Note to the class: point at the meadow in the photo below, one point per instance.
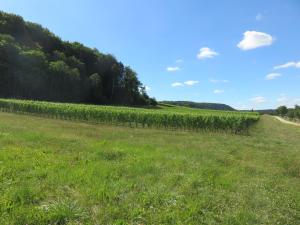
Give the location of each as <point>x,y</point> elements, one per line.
<point>68,172</point>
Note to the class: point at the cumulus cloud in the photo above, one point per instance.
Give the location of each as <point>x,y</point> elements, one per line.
<point>172,69</point>
<point>191,82</point>
<point>177,84</point>
<point>185,83</point>
<point>258,100</point>
<point>147,88</point>
<point>218,91</point>
<point>179,61</point>
<point>287,65</point>
<point>255,39</point>
<point>258,17</point>
<point>206,52</point>
<point>272,76</point>
<point>218,81</point>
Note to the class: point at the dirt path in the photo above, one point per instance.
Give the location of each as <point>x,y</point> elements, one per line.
<point>286,121</point>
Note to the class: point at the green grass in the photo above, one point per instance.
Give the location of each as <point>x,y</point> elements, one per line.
<point>62,172</point>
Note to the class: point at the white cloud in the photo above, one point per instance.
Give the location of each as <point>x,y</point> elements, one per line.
<point>177,84</point>
<point>282,99</point>
<point>258,100</point>
<point>191,82</point>
<point>255,39</point>
<point>240,106</point>
<point>287,101</point>
<point>218,81</point>
<point>147,88</point>
<point>179,61</point>
<point>272,76</point>
<point>185,83</point>
<point>258,17</point>
<point>172,69</point>
<point>217,91</point>
<point>287,65</point>
<point>206,53</point>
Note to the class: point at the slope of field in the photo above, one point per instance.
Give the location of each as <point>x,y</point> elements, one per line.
<point>200,105</point>
<point>176,108</point>
<point>63,172</point>
<point>176,118</point>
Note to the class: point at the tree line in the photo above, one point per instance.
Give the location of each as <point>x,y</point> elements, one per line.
<point>292,113</point>
<point>36,64</point>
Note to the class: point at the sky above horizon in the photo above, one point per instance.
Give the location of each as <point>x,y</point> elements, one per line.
<point>242,53</point>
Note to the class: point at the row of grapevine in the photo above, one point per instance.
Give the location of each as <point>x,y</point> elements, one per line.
<point>138,117</point>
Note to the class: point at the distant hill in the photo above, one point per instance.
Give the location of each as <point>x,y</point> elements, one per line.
<point>262,111</point>
<point>266,111</point>
<point>200,105</point>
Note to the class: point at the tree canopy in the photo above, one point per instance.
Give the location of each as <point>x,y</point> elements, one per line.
<point>292,113</point>
<point>36,64</point>
<point>282,110</point>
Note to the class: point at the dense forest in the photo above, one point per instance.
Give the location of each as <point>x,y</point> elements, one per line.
<point>200,105</point>
<point>36,64</point>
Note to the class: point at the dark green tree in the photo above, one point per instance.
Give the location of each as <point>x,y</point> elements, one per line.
<point>36,64</point>
<point>282,110</point>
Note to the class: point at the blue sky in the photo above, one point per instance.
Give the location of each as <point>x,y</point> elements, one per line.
<point>242,53</point>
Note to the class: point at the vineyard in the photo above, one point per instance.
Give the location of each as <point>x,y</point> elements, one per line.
<point>185,119</point>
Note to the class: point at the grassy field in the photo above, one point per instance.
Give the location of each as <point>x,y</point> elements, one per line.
<point>62,172</point>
